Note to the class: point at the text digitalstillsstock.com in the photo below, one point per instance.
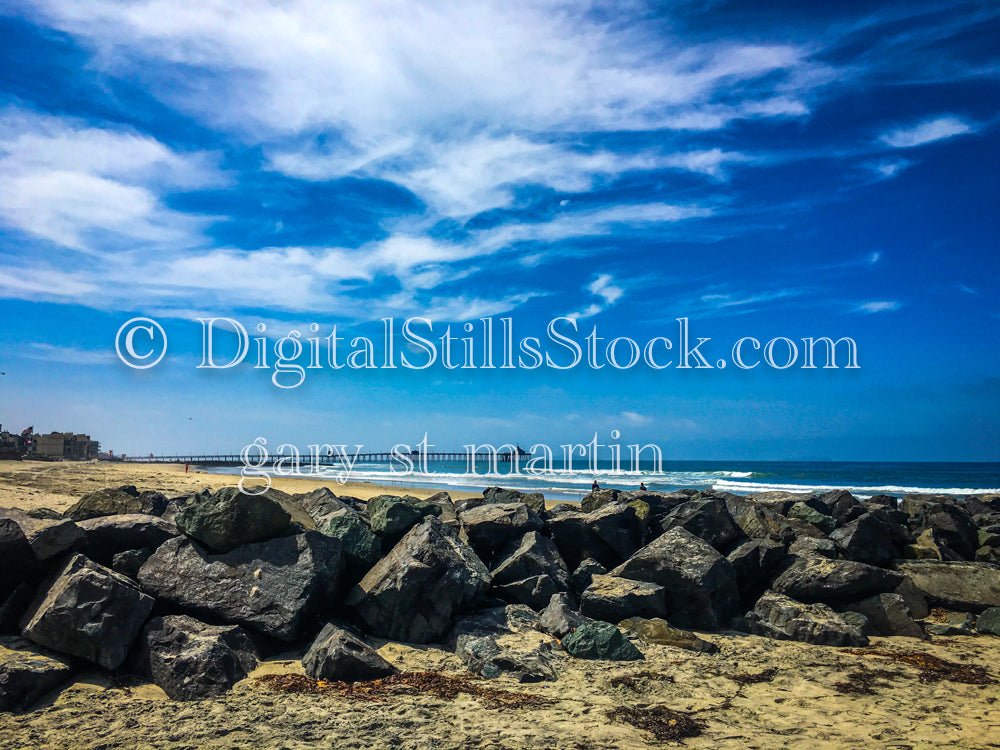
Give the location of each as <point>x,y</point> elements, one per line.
<point>486,344</point>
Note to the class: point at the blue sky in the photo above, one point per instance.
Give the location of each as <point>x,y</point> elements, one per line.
<point>812,169</point>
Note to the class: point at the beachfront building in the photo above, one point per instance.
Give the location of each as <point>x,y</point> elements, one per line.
<point>75,447</point>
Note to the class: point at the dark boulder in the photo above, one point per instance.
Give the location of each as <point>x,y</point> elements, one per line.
<point>759,521</point>
<point>494,621</point>
<point>130,561</point>
<point>804,546</point>
<point>412,594</point>
<point>889,615</point>
<point>19,562</point>
<point>489,528</point>
<point>534,591</point>
<point>951,526</point>
<point>489,658</point>
<point>600,640</point>
<point>755,563</point>
<point>600,498</point>
<point>47,538</point>
<point>534,500</point>
<point>842,505</point>
<point>531,555</point>
<point>14,607</point>
<point>28,672</point>
<point>777,616</point>
<point>106,502</point>
<point>967,586</point>
<point>584,574</point>
<point>361,547</point>
<point>448,515</point>
<point>272,587</point>
<point>609,535</point>
<point>338,656</point>
<point>191,660</point>
<point>700,583</point>
<point>988,621</point>
<point>818,579</point>
<point>613,599</point>
<point>109,535</point>
<point>707,518</point>
<point>866,539</point>
<point>88,611</point>
<point>231,518</point>
<point>153,503</point>
<point>805,512</point>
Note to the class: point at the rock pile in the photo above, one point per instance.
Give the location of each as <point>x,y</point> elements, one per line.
<point>189,591</point>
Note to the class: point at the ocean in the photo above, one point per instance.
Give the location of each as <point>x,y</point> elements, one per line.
<point>864,479</point>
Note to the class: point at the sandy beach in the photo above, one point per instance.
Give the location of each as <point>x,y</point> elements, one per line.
<point>753,693</point>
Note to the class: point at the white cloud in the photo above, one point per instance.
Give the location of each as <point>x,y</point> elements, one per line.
<point>69,355</point>
<point>634,418</point>
<point>928,131</point>
<point>877,306</point>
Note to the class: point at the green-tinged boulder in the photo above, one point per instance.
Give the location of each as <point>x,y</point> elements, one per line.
<point>362,549</point>
<point>106,502</point>
<point>821,521</point>
<point>989,621</point>
<point>600,640</point>
<point>391,515</point>
<point>231,518</point>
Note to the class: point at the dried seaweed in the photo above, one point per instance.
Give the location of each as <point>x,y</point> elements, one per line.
<point>865,681</point>
<point>432,683</point>
<point>933,668</point>
<point>666,724</point>
<point>749,678</point>
<point>631,681</point>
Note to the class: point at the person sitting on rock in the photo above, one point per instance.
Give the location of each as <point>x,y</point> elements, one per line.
<point>642,486</point>
<point>595,486</point>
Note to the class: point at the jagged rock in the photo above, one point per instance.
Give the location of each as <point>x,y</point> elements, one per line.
<point>271,586</point>
<point>952,527</point>
<point>989,621</point>
<point>889,615</point>
<point>534,500</point>
<point>609,535</point>
<point>535,592</point>
<point>600,640</point>
<point>47,538</point>
<point>14,607</point>
<point>191,660</point>
<point>887,501</point>
<point>822,521</point>
<point>957,585</point>
<point>391,516</point>
<point>559,618</point>
<point>412,593</point>
<point>490,659</point>
<point>109,535</point>
<point>754,563</point>
<point>915,601</point>
<point>323,502</point>
<point>758,521</point>
<point>512,618</point>
<point>28,672</point>
<point>859,622</point>
<point>818,579</point>
<point>615,599</point>
<point>659,631</point>
<point>106,502</point>
<point>130,561</point>
<point>842,505</point>
<point>339,656</point>
<point>584,574</point>
<point>361,548</point>
<point>531,555</point>
<point>231,518</point>
<point>808,545</point>
<point>88,611</point>
<point>19,562</point>
<point>700,583</point>
<point>448,515</point>
<point>778,616</point>
<point>600,498</point>
<point>152,503</point>
<point>489,528</point>
<point>866,539</point>
<point>707,517</point>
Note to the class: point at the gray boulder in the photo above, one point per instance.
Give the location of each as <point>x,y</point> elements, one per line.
<point>599,498</point>
<point>46,537</point>
<point>534,592</point>
<point>889,615</point>
<point>559,618</point>
<point>759,521</point>
<point>700,583</point>
<point>534,500</point>
<point>230,518</point>
<point>988,621</point>
<point>413,592</point>
<point>88,611</point>
<point>613,599</point>
<point>130,561</point>
<point>393,516</point>
<point>600,640</point>
<point>339,656</point>
<point>866,539</point>
<point>706,517</point>
<point>490,659</point>
<point>28,672</point>
<point>191,660</point>
<point>967,586</point>
<point>658,631</point>
<point>109,535</point>
<point>495,621</point>
<point>271,586</point>
<point>818,579</point>
<point>804,546</point>
<point>777,616</point>
<point>755,563</point>
<point>842,505</point>
<point>448,515</point>
<point>608,535</point>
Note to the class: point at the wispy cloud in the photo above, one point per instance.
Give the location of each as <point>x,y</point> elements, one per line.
<point>928,131</point>
<point>607,292</point>
<point>877,306</point>
<point>68,355</point>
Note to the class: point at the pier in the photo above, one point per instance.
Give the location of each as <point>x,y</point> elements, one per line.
<point>380,457</point>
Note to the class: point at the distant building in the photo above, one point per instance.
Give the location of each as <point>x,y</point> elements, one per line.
<point>67,445</point>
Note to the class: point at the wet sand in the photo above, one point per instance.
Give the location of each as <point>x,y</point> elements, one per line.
<point>800,707</point>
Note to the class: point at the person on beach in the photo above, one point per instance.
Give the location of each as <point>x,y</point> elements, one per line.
<point>595,486</point>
